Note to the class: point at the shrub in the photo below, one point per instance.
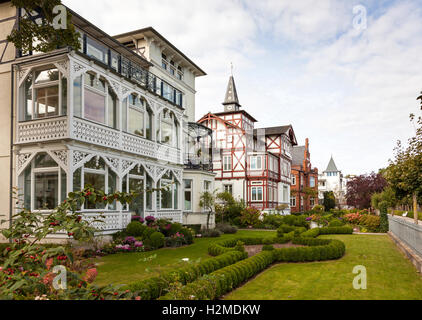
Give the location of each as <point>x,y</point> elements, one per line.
<point>336,223</point>
<point>211,233</point>
<point>283,229</point>
<point>372,223</point>
<point>295,221</point>
<point>157,240</point>
<point>153,288</point>
<point>226,228</point>
<point>194,227</point>
<point>147,233</point>
<point>175,228</point>
<point>336,230</point>
<point>313,233</point>
<point>268,247</point>
<point>188,235</point>
<point>250,216</point>
<point>135,229</point>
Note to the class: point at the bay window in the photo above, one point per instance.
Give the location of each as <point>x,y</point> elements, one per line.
<point>44,95</point>
<point>44,184</point>
<point>137,117</point>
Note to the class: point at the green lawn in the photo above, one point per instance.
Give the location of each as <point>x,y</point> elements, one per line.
<point>390,276</point>
<point>126,268</point>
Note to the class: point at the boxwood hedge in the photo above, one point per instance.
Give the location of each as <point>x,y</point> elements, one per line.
<point>153,288</point>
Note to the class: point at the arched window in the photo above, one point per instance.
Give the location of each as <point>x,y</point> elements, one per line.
<point>168,196</point>
<point>97,174</point>
<point>99,101</point>
<point>137,116</point>
<point>169,133</point>
<point>138,181</point>
<point>44,184</point>
<point>43,94</point>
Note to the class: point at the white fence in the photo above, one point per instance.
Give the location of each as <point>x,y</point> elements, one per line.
<point>408,232</point>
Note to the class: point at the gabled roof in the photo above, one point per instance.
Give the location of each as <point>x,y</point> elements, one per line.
<point>332,166</point>
<point>231,94</point>
<point>274,131</point>
<point>152,33</point>
<point>246,114</point>
<point>298,155</point>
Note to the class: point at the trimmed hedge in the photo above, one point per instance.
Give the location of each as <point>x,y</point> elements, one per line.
<point>336,230</point>
<point>221,247</point>
<point>222,281</point>
<point>153,288</point>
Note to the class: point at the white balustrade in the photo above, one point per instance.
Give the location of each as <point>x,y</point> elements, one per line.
<point>108,221</point>
<point>42,130</point>
<point>93,133</point>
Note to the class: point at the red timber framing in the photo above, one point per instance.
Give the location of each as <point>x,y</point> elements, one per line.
<point>231,136</point>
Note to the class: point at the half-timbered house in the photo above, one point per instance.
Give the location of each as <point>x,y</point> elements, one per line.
<point>252,164</point>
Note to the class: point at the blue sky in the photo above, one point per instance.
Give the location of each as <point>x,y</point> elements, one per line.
<point>297,62</point>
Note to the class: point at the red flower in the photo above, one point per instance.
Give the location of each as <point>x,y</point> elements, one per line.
<point>105,198</point>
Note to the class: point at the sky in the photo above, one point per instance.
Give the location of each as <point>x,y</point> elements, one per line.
<point>344,73</point>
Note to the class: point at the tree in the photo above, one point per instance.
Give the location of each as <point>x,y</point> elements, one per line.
<point>329,200</point>
<point>44,27</point>
<point>405,172</point>
<point>225,200</point>
<point>207,202</point>
<point>385,198</point>
<point>360,189</point>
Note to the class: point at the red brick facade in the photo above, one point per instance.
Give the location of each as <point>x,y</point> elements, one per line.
<point>304,180</point>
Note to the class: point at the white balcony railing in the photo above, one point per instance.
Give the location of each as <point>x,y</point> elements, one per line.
<point>86,131</point>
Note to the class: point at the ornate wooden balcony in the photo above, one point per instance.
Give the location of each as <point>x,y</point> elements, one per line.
<point>60,128</point>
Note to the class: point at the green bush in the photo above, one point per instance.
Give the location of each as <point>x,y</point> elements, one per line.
<point>135,229</point>
<point>268,247</point>
<point>175,228</point>
<point>157,240</point>
<point>336,223</point>
<point>153,288</point>
<point>147,233</point>
<point>194,227</point>
<point>188,235</point>
<point>226,228</point>
<point>372,223</point>
<point>211,233</point>
<point>336,230</point>
<point>283,229</point>
<point>313,233</point>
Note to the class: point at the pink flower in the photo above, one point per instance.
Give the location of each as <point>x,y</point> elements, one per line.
<point>138,298</point>
<point>48,278</point>
<point>49,263</point>
<point>91,274</point>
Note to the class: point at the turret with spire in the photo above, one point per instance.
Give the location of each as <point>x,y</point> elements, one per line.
<point>231,101</point>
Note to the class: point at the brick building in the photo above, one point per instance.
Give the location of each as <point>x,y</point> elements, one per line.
<point>304,189</point>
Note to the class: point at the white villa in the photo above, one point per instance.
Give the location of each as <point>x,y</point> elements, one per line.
<point>332,179</point>
<point>114,115</point>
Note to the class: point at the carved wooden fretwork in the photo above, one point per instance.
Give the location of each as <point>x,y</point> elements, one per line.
<point>63,67</point>
<point>114,163</point>
<point>79,158</point>
<point>23,161</point>
<point>61,155</point>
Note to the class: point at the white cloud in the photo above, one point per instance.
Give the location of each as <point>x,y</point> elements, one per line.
<point>298,62</point>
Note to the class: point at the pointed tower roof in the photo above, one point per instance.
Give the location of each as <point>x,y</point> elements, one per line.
<point>231,95</point>
<point>332,166</point>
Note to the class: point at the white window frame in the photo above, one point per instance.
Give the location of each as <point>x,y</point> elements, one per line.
<point>257,188</point>
<point>293,201</point>
<point>105,95</point>
<point>136,177</point>
<point>227,163</point>
<point>255,160</point>
<point>228,186</point>
<point>34,171</point>
<point>34,87</point>
<point>293,180</point>
<point>190,190</point>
